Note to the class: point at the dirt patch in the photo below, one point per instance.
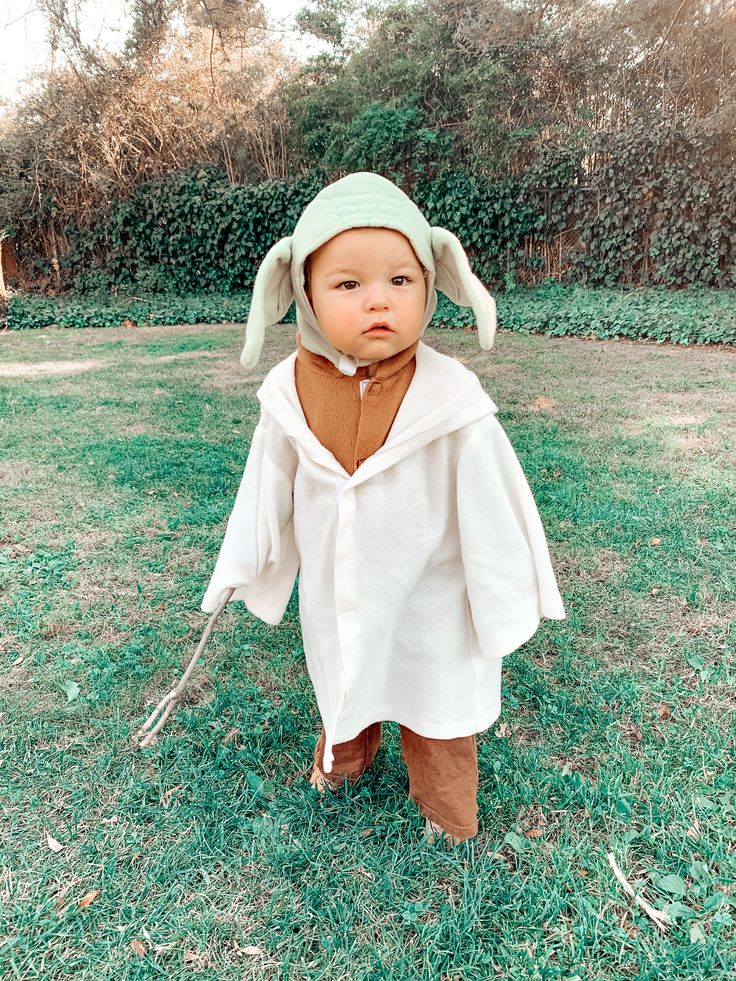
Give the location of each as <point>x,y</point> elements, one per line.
<point>94,542</point>
<point>14,473</point>
<point>15,677</point>
<point>44,369</point>
<point>610,563</point>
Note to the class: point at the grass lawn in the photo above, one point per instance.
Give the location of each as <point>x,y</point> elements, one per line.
<point>209,856</point>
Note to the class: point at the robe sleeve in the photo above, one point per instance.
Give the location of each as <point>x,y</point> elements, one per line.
<point>508,572</point>
<point>258,554</point>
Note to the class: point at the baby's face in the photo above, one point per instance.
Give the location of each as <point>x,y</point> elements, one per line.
<point>368,292</point>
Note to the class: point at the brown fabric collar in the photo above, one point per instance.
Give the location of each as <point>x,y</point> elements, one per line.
<point>378,370</point>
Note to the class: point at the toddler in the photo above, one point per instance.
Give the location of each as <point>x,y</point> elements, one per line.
<point>379,471</point>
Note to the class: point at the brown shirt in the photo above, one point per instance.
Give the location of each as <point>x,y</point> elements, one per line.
<point>350,427</point>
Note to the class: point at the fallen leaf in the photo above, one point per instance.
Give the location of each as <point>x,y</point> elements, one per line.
<point>89,898</point>
<point>584,872</point>
<point>72,690</point>
<point>503,730</point>
<point>515,841</point>
<point>197,958</point>
<point>61,906</point>
<point>167,794</point>
<point>656,541</point>
<point>252,951</point>
<point>534,833</point>
<point>139,947</point>
<point>693,832</point>
<point>543,403</point>
<point>54,845</point>
<point>664,712</point>
<point>162,948</point>
<point>696,934</point>
<point>18,660</point>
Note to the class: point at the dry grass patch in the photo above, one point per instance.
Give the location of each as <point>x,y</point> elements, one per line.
<point>182,356</point>
<point>43,368</point>
<point>228,375</point>
<point>18,473</point>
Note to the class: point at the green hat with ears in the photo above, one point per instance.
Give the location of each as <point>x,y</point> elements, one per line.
<point>362,200</point>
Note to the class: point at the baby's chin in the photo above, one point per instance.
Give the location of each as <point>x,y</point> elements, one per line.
<point>380,348</point>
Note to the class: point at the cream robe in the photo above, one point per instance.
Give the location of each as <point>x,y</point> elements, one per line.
<point>418,573</point>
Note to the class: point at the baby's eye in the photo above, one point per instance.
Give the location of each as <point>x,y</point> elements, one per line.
<point>347,284</point>
<point>400,280</point>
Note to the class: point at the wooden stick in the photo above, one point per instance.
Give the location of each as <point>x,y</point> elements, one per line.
<point>660,919</point>
<point>143,737</point>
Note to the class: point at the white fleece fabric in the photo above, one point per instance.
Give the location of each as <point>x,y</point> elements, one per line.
<point>419,572</point>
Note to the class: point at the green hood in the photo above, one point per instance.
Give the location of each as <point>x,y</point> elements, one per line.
<point>361,200</point>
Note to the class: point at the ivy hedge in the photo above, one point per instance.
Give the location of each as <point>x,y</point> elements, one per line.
<point>641,207</point>
<point>695,315</point>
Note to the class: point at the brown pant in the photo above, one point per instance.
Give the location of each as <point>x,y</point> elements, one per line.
<point>443,773</point>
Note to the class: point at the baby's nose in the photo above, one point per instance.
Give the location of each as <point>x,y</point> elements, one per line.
<point>377,296</point>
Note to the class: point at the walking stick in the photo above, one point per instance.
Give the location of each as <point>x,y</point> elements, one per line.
<point>167,705</point>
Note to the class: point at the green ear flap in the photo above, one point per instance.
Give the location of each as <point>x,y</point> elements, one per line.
<point>272,297</point>
<point>455,278</point>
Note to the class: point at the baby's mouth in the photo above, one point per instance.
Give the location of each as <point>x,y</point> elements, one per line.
<point>379,329</point>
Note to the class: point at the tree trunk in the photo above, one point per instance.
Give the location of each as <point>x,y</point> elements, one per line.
<point>3,291</point>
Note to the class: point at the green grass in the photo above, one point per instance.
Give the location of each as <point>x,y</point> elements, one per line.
<point>122,450</point>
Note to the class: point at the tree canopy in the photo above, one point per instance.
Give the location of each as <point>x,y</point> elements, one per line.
<point>414,90</point>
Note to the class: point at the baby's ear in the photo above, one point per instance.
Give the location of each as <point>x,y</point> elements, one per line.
<point>272,297</point>
<point>455,278</point>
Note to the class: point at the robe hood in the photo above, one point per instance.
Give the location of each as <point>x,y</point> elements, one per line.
<point>444,396</point>
<point>362,200</point>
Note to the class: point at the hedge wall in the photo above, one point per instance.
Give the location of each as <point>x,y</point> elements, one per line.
<point>648,208</point>
<point>693,316</point>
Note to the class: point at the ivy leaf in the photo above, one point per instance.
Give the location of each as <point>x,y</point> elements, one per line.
<point>516,842</point>
<point>679,911</point>
<point>71,688</point>
<point>261,787</point>
<point>623,807</point>
<point>673,884</point>
<point>696,934</point>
